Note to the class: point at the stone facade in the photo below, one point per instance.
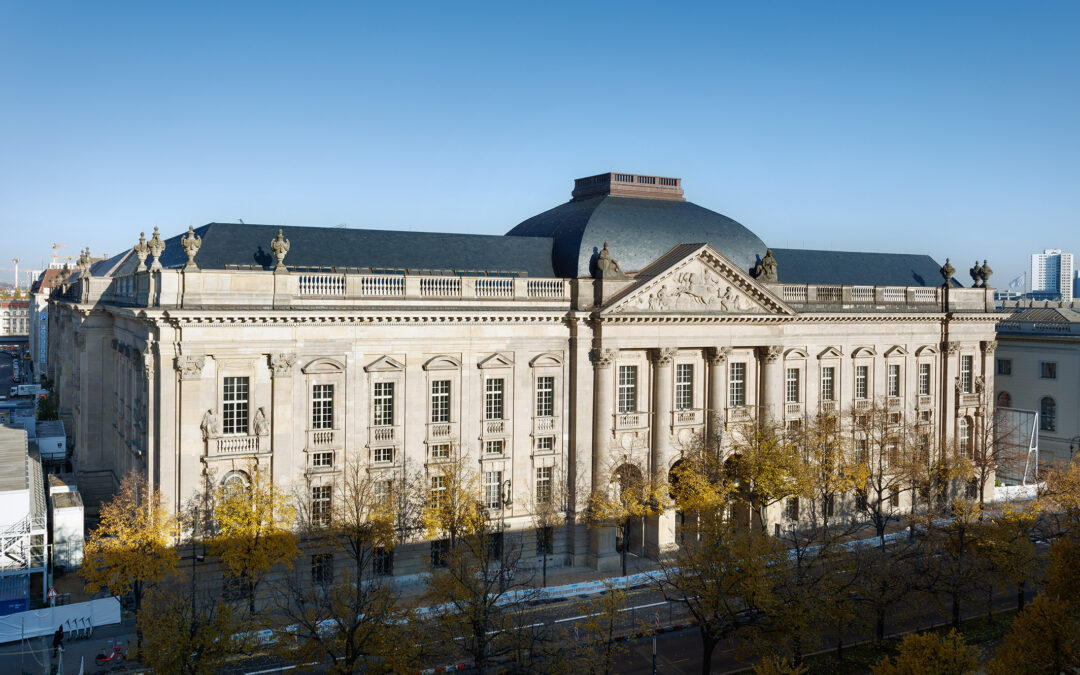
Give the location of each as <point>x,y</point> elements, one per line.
<point>186,373</point>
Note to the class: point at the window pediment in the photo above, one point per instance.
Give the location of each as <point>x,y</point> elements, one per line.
<point>496,361</point>
<point>384,364</point>
<point>830,353</point>
<point>896,350</point>
<point>546,359</point>
<point>795,353</point>
<point>323,365</point>
<point>863,353</point>
<point>926,350</point>
<point>442,362</point>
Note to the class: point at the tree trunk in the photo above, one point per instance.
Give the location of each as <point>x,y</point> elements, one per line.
<point>544,582</point>
<point>1020,588</point>
<point>880,624</point>
<point>625,544</point>
<point>956,611</point>
<point>708,646</point>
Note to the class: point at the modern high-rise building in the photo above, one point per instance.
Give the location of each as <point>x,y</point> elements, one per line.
<point>1052,274</point>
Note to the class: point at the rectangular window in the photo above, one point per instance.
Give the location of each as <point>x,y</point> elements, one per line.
<point>1048,370</point>
<point>965,374</point>
<point>384,454</point>
<point>322,406</point>
<point>543,485</point>
<point>320,505</point>
<point>737,385</point>
<point>1004,366</point>
<point>545,396</point>
<point>234,409</point>
<point>684,386</point>
<point>894,381</point>
<point>894,498</point>
<point>545,443</point>
<point>861,375</point>
<point>862,454</point>
<point>792,510</point>
<point>493,489</point>
<point>440,401</point>
<point>384,405</point>
<point>382,562</point>
<point>493,447</point>
<point>440,451</point>
<point>830,505</point>
<point>493,399</point>
<point>892,453</point>
<point>322,569</point>
<point>322,460</point>
<point>924,379</point>
<point>545,540</point>
<point>438,492</point>
<point>828,383</point>
<point>381,490</point>
<point>439,549</point>
<point>791,389</point>
<point>861,501</point>
<point>495,546</point>
<point>627,389</point>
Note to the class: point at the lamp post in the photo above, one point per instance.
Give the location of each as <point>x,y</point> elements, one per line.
<point>507,502</point>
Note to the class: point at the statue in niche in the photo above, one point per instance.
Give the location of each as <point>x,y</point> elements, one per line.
<point>210,426</point>
<point>261,424</point>
<point>608,267</point>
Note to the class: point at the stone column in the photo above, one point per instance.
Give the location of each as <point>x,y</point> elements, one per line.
<point>190,466</point>
<point>715,409</point>
<point>281,368</point>
<point>772,383</point>
<point>602,553</point>
<point>660,529</point>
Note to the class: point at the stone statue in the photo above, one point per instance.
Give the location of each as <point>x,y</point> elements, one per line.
<point>157,247</point>
<point>261,424</point>
<point>980,383</point>
<point>766,269</point>
<point>608,267</point>
<point>141,251</point>
<point>947,271</point>
<point>984,274</point>
<point>83,263</point>
<point>280,247</point>
<point>191,243</point>
<point>210,427</point>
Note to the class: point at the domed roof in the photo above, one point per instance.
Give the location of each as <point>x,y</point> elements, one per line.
<point>638,229</point>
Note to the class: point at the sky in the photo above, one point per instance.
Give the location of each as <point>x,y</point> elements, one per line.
<point>920,127</point>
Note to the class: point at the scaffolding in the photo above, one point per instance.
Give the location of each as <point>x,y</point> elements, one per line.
<point>24,545</point>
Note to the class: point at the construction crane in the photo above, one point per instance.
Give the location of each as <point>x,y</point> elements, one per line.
<point>16,261</point>
<point>56,252</point>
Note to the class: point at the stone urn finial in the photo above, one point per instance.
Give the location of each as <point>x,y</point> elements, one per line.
<point>83,263</point>
<point>157,247</point>
<point>280,247</point>
<point>984,274</point>
<point>62,276</point>
<point>141,251</point>
<point>947,271</point>
<point>191,243</point>
<point>974,272</point>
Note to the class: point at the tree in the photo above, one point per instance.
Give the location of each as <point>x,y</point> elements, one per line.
<point>1061,497</point>
<point>351,620</point>
<point>1044,638</point>
<point>453,507</point>
<point>254,532</point>
<point>188,630</point>
<point>131,548</point>
<point>48,406</point>
<point>724,578</point>
<point>886,451</point>
<point>632,495</point>
<point>931,654</point>
<point>593,646</point>
<point>989,446</point>
<point>950,564</point>
<point>764,467</point>
<point>550,503</point>
<point>1008,547</point>
<point>888,577</point>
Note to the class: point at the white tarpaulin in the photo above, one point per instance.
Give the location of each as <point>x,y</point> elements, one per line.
<point>44,621</point>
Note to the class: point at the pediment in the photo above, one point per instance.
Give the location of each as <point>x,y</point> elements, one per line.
<point>795,353</point>
<point>926,350</point>
<point>384,364</point>
<point>695,279</point>
<point>323,365</point>
<point>442,362</point>
<point>863,352</point>
<point>830,353</point>
<point>896,350</point>
<point>496,361</point>
<point>546,359</point>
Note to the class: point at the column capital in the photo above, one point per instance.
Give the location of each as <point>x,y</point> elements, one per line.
<point>602,358</point>
<point>190,367</point>
<point>663,356</point>
<point>771,353</point>
<point>989,346</point>
<point>717,355</point>
<point>281,364</point>
<point>951,347</point>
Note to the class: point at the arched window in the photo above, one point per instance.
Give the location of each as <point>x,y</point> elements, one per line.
<point>964,436</point>
<point>1004,400</point>
<point>235,481</point>
<point>1048,414</point>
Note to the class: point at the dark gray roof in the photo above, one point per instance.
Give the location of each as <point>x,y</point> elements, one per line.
<point>802,266</point>
<point>638,232</point>
<point>315,247</point>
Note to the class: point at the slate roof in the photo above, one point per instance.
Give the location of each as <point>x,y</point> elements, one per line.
<point>1060,315</point>
<point>804,266</point>
<point>638,232</point>
<point>320,247</point>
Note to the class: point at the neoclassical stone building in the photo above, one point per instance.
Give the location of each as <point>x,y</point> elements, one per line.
<point>617,326</point>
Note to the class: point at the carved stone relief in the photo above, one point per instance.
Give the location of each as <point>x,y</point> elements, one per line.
<point>282,364</point>
<point>694,289</point>
<point>190,367</point>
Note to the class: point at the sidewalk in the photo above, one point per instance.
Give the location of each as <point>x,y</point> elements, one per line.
<point>33,655</point>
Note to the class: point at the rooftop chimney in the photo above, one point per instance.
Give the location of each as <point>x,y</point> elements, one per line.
<point>628,185</point>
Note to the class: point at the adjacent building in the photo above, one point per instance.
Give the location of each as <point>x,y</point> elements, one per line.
<point>14,318</point>
<point>608,332</point>
<point>23,527</point>
<point>1052,275</point>
<point>38,324</point>
<point>1038,368</point>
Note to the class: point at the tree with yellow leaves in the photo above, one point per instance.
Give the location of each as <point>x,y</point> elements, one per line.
<point>254,531</point>
<point>764,467</point>
<point>952,565</point>
<point>632,495</point>
<point>189,630</point>
<point>1044,638</point>
<point>453,507</point>
<point>1008,547</point>
<point>131,548</point>
<point>931,654</point>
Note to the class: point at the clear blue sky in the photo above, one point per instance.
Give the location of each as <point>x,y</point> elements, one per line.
<point>926,127</point>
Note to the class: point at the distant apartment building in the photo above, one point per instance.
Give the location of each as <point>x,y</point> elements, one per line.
<point>39,320</point>
<point>1052,275</point>
<point>14,317</point>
